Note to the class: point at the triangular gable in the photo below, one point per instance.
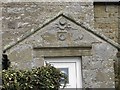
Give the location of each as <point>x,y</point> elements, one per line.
<point>96,33</point>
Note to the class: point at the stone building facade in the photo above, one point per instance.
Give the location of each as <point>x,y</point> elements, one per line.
<point>36,32</point>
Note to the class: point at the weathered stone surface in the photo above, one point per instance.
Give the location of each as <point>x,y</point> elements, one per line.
<point>106,19</point>
<point>64,38</point>
<point>23,17</point>
<point>62,35</point>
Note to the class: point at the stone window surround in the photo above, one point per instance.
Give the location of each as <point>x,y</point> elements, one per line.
<point>77,51</point>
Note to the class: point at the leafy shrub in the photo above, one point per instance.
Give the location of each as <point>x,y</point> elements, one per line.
<point>45,77</point>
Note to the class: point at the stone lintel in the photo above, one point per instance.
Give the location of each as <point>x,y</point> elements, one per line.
<point>86,46</point>
<point>63,51</point>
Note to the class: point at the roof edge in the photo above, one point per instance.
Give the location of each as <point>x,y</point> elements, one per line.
<point>93,31</point>
<point>96,33</point>
<point>31,33</point>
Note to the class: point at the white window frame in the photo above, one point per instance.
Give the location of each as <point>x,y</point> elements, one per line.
<point>76,60</point>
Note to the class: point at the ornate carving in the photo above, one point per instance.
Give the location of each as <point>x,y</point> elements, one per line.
<point>62,36</point>
<point>62,25</point>
<point>62,21</point>
<point>78,37</point>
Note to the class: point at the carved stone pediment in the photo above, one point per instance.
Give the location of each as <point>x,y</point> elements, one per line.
<point>62,36</point>
<point>63,32</point>
<point>60,31</point>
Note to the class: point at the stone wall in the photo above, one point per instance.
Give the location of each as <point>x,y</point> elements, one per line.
<point>97,55</point>
<point>119,23</point>
<point>21,18</point>
<point>106,19</point>
<point>0,43</point>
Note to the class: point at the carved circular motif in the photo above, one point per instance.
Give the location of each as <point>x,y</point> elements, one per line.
<point>62,27</point>
<point>62,37</point>
<point>62,21</point>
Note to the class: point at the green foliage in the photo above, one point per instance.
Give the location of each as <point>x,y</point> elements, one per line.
<point>45,77</point>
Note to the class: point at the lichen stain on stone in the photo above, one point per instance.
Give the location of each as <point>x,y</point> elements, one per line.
<point>49,37</point>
